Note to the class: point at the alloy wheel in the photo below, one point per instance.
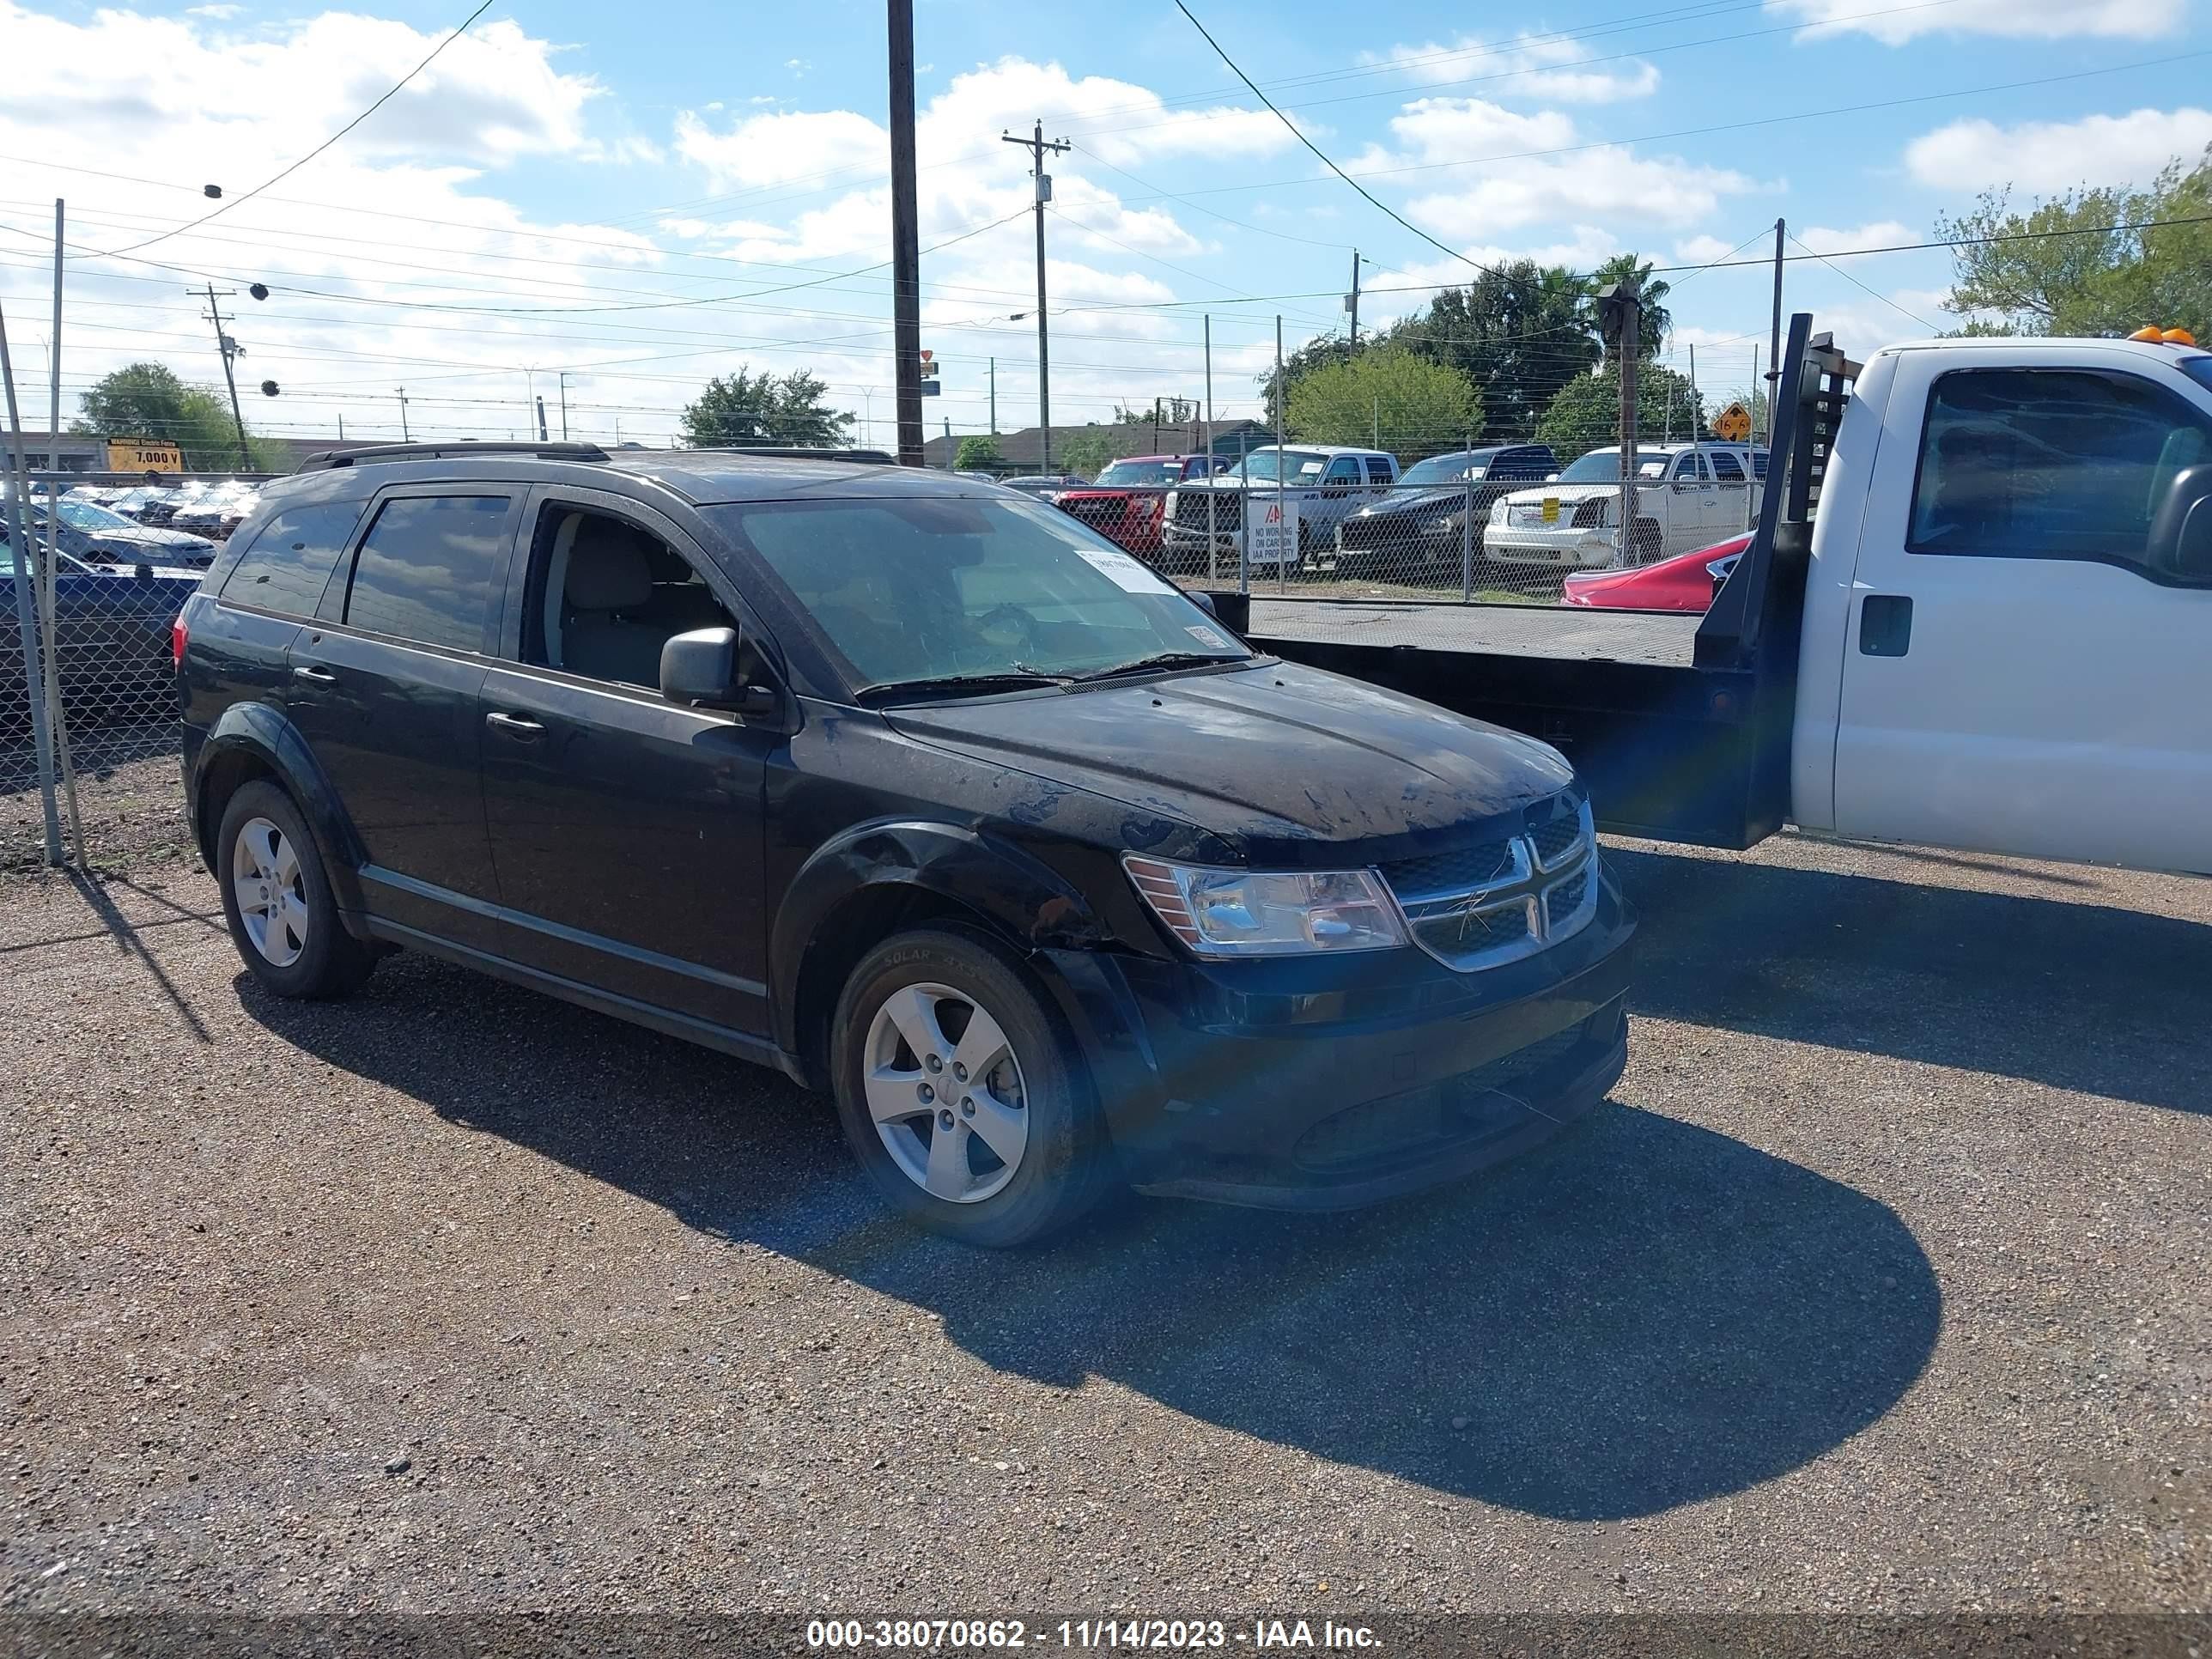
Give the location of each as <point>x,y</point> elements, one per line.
<point>273,896</point>
<point>946,1092</point>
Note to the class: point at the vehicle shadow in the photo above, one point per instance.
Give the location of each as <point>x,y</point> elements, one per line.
<point>1643,1315</point>
<point>2046,988</point>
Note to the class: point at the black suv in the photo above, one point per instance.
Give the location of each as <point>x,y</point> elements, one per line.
<point>925,794</point>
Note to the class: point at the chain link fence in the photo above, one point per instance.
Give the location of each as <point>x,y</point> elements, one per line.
<point>1471,537</point>
<point>89,738</point>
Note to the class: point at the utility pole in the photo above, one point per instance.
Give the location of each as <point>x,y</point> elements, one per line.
<point>1696,436</point>
<point>564,405</point>
<point>1213,555</point>
<point>228,349</point>
<point>1774,336</point>
<point>1351,300</point>
<point>1621,313</point>
<point>404,436</point>
<point>994,397</point>
<point>906,238</point>
<point>542,433</point>
<point>1036,146</point>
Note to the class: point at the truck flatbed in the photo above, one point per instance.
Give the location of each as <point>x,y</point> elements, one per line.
<point>1560,633</point>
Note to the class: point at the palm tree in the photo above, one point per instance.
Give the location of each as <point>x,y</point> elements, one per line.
<point>1658,322</point>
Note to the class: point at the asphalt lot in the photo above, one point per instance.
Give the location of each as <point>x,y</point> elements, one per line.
<point>1878,1285</point>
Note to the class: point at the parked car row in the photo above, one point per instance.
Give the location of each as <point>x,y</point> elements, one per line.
<point>113,642</point>
<point>100,535</point>
<point>1355,514</point>
<point>209,510</point>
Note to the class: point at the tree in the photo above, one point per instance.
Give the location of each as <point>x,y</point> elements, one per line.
<point>1165,411</point>
<point>1317,353</point>
<point>147,400</point>
<point>980,454</point>
<point>1658,321</point>
<point>1519,333</point>
<point>1418,408</point>
<point>2061,268</point>
<point>1585,413</point>
<point>1088,453</point>
<point>745,408</point>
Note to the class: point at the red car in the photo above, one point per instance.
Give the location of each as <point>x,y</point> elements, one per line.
<point>1129,503</point>
<point>1686,582</point>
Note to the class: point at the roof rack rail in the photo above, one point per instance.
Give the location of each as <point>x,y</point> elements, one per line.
<point>801,452</point>
<point>432,451</point>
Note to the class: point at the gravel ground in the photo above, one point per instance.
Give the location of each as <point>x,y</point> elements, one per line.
<point>128,798</point>
<point>1878,1285</point>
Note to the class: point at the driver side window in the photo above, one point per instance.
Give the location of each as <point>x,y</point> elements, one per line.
<point>605,595</point>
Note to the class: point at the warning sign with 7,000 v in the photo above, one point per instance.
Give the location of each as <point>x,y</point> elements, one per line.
<point>1271,538</point>
<point>143,455</point>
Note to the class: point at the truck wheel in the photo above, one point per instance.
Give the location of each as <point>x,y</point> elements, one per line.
<point>1644,543</point>
<point>970,1112</point>
<point>277,899</point>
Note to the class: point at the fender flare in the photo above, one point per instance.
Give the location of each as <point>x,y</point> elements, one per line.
<point>261,732</point>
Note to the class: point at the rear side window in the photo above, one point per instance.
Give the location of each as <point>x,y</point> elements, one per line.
<point>2048,464</point>
<point>424,571</point>
<point>1379,469</point>
<point>287,566</point>
<point>1726,467</point>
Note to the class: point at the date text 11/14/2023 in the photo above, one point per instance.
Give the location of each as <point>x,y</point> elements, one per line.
<point>941,1635</point>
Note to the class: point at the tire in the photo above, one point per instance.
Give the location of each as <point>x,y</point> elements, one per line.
<point>1644,543</point>
<point>296,946</point>
<point>919,983</point>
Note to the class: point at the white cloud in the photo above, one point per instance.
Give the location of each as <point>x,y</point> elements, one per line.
<point>1610,182</point>
<point>2043,20</point>
<point>2045,156</point>
<point>1528,66</point>
<point>1702,249</point>
<point>780,147</point>
<point>1881,232</point>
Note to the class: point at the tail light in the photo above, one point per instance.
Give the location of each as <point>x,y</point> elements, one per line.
<point>180,637</point>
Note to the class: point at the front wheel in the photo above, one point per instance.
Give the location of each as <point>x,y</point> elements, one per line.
<point>969,1110</point>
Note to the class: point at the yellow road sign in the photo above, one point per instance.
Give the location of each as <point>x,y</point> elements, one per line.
<point>1733,424</point>
<point>143,455</point>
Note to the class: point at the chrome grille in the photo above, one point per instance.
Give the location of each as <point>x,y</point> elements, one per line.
<point>1190,508</point>
<point>1494,902</point>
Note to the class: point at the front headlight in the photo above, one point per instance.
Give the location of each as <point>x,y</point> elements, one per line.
<point>1498,511</point>
<point>1254,912</point>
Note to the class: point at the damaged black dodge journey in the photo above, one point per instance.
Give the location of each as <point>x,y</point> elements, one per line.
<point>915,788</point>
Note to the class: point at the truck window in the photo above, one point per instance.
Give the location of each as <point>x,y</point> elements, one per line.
<point>1379,469</point>
<point>288,564</point>
<point>1688,469</point>
<point>424,572</point>
<point>2048,464</point>
<point>1344,470</point>
<point>1726,468</point>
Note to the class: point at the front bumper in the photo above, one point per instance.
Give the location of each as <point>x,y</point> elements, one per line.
<point>1570,548</point>
<point>1315,1084</point>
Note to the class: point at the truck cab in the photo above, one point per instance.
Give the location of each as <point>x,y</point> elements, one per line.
<point>1315,486</point>
<point>2010,604</point>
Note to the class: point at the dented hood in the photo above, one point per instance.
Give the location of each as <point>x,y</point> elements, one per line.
<point>1273,764</point>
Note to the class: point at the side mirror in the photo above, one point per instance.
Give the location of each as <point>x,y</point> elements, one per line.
<point>144,573</point>
<point>699,669</point>
<point>2181,530</point>
<point>1204,601</point>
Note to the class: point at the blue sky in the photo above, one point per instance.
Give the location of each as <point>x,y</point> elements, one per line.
<point>569,189</point>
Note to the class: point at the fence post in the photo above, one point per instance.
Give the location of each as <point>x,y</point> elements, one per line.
<point>19,546</point>
<point>1467,532</point>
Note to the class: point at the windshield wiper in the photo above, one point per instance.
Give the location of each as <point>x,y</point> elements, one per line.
<point>1014,680</point>
<point>1165,660</point>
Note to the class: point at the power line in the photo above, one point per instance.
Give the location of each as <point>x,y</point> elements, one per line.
<point>391,92</point>
<point>1316,149</point>
<point>1855,283</point>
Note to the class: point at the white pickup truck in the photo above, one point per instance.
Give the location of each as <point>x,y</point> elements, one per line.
<point>1976,613</point>
<point>1688,495</point>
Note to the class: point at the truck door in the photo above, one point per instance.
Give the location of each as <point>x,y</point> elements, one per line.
<point>1691,504</point>
<point>2024,670</point>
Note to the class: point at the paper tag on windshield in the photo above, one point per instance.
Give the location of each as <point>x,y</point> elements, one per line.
<point>1206,637</point>
<point>1124,571</point>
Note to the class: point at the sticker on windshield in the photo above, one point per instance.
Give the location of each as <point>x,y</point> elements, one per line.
<point>1124,571</point>
<point>1206,637</point>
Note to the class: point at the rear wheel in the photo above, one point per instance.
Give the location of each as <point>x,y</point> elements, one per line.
<point>969,1110</point>
<point>276,897</point>
<point>1644,543</point>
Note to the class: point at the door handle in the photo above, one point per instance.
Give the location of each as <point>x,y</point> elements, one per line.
<point>515,725</point>
<point>1885,625</point>
<point>319,675</point>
